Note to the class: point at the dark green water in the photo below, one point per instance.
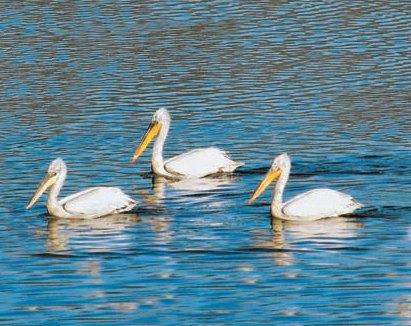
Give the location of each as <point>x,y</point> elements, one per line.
<point>327,82</point>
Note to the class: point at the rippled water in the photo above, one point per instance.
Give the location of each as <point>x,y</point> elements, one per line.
<point>327,82</point>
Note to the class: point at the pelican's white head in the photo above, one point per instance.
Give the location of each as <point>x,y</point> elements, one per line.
<point>281,164</point>
<point>55,168</point>
<point>161,116</point>
<point>159,123</point>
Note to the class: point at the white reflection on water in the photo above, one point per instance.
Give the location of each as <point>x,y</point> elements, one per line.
<point>335,228</point>
<point>100,234</point>
<point>203,184</point>
<point>190,185</point>
<point>289,235</point>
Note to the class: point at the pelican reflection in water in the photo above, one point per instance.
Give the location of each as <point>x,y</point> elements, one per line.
<point>60,232</point>
<point>190,186</point>
<point>197,163</point>
<point>90,203</point>
<point>288,236</point>
<point>308,206</point>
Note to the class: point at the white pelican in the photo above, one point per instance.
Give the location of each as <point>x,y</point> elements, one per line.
<point>308,206</point>
<point>197,163</point>
<point>90,203</point>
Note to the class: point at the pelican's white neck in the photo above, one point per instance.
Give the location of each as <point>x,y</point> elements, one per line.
<point>277,200</point>
<point>53,205</point>
<point>157,160</point>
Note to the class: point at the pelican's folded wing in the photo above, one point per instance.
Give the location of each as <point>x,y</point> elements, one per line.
<point>98,201</point>
<point>319,203</point>
<point>201,162</point>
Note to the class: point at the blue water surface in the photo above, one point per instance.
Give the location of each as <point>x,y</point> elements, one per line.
<point>327,82</point>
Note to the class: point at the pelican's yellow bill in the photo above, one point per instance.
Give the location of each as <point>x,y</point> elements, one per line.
<point>269,177</point>
<point>153,130</point>
<point>48,180</point>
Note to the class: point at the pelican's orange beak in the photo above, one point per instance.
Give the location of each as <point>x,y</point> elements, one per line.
<point>152,131</point>
<point>48,180</point>
<point>271,175</point>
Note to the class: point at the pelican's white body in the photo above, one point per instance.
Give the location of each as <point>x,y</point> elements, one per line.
<point>97,202</point>
<point>201,162</point>
<point>317,204</point>
<point>90,203</point>
<point>197,163</point>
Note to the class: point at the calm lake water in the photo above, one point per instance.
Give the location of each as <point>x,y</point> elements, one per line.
<point>327,82</point>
